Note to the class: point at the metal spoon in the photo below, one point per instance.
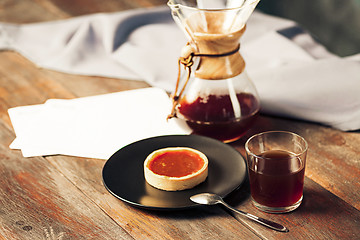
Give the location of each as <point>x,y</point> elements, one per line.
<point>211,199</point>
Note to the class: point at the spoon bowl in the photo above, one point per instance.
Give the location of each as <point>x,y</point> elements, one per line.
<point>206,198</point>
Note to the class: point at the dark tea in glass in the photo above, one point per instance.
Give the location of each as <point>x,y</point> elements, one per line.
<point>215,116</point>
<point>276,167</point>
<point>279,179</point>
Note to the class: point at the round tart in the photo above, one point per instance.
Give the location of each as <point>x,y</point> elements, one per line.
<point>175,168</point>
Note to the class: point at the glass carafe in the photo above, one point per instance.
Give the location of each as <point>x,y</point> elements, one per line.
<point>214,96</point>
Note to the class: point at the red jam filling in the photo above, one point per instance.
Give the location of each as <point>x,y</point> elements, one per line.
<point>176,163</point>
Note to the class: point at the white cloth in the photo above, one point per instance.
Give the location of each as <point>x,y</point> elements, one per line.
<point>295,76</point>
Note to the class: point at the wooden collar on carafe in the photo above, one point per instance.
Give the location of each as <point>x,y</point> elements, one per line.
<point>186,59</point>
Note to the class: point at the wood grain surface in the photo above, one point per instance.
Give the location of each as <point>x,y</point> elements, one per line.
<point>63,197</point>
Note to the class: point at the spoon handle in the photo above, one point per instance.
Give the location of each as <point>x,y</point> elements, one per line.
<point>262,221</point>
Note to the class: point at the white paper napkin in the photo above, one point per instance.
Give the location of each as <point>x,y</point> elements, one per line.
<point>94,126</point>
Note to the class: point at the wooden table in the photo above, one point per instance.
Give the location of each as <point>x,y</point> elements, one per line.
<point>63,197</point>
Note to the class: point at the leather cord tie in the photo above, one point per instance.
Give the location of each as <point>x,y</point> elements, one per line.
<point>188,62</point>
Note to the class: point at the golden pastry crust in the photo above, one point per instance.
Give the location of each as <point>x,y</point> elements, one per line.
<point>168,183</point>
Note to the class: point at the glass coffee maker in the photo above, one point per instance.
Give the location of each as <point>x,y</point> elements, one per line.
<point>214,96</point>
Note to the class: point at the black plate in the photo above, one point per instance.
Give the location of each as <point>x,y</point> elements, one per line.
<point>123,173</point>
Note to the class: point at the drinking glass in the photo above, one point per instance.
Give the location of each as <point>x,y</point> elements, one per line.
<point>276,167</point>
